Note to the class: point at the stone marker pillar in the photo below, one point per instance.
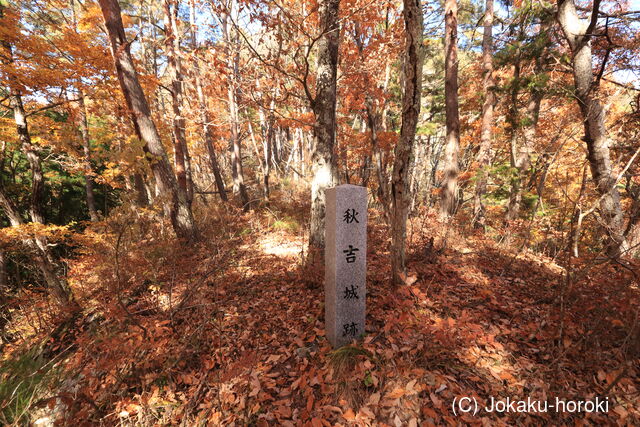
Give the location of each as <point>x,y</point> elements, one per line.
<point>345,288</point>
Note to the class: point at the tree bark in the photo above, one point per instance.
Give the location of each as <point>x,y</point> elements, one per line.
<point>521,153</point>
<point>323,158</point>
<point>174,68</point>
<point>30,151</point>
<point>86,148</point>
<point>176,201</point>
<point>205,116</point>
<point>4,277</point>
<point>519,157</point>
<point>233,95</point>
<point>449,195</point>
<point>400,180</point>
<point>578,34</point>
<point>486,133</point>
<point>57,286</point>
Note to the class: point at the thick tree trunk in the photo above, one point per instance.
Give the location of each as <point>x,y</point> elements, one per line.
<point>175,198</point>
<point>449,195</point>
<point>86,148</point>
<point>142,194</point>
<point>578,34</point>
<point>400,180</point>
<point>486,133</point>
<point>323,158</point>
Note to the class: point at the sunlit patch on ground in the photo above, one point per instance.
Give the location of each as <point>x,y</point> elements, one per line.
<point>274,244</point>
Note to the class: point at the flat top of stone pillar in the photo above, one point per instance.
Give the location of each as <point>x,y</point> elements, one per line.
<point>345,186</point>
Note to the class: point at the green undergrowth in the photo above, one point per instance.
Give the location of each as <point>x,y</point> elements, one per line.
<point>24,379</point>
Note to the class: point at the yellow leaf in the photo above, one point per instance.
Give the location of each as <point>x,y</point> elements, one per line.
<point>349,415</point>
<point>396,393</point>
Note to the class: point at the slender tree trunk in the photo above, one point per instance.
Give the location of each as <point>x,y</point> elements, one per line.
<point>30,151</point>
<point>486,133</point>
<point>86,148</point>
<point>449,195</point>
<point>576,221</point>
<point>323,157</point>
<point>519,157</point>
<point>4,281</point>
<point>419,169</point>
<point>175,198</point>
<point>578,34</point>
<point>233,92</point>
<point>378,121</point>
<point>213,159</point>
<point>263,158</point>
<point>83,125</point>
<point>400,180</point>
<point>181,150</point>
<point>522,160</point>
<point>521,154</point>
<point>57,286</point>
<point>204,111</point>
<point>267,145</point>
<point>267,135</point>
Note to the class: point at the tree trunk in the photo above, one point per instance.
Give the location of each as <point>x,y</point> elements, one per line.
<point>175,198</point>
<point>578,34</point>
<point>4,280</point>
<point>86,147</point>
<point>35,163</point>
<point>142,195</point>
<point>521,154</point>
<point>267,152</point>
<point>400,180</point>
<point>576,220</point>
<point>449,195</point>
<point>57,287</point>
<point>376,121</point>
<point>262,158</point>
<point>204,111</point>
<point>174,68</point>
<point>233,92</point>
<point>486,133</point>
<point>519,158</point>
<point>267,135</point>
<point>323,158</point>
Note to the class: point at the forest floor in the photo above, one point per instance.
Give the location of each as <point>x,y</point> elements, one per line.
<point>231,332</point>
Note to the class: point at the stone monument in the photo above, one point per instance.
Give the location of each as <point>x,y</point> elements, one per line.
<point>345,288</point>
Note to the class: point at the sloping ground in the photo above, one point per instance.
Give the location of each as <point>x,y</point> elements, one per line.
<point>231,333</point>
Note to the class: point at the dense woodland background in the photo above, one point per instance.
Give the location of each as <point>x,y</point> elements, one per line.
<point>162,175</point>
